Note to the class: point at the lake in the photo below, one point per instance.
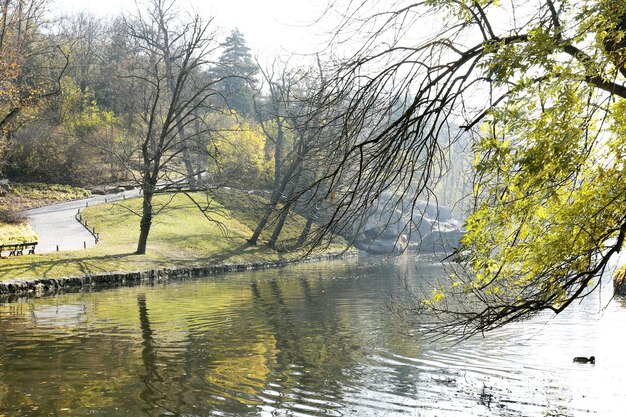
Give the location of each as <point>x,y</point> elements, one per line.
<point>314,339</point>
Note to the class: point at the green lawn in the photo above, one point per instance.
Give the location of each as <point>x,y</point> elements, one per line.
<point>181,236</point>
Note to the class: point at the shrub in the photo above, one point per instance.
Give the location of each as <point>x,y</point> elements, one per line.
<point>10,216</point>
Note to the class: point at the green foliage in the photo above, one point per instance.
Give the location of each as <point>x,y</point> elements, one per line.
<point>28,67</point>
<point>541,99</point>
<point>85,145</point>
<point>550,166</point>
<point>241,158</point>
<point>89,119</point>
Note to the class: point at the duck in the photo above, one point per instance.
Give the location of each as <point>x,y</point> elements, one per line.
<point>583,359</point>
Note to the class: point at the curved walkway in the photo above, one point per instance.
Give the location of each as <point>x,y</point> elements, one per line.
<point>57,226</point>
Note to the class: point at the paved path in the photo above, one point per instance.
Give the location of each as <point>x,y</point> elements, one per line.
<point>56,225</point>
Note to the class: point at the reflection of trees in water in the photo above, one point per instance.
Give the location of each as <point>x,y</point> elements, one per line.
<point>221,346</point>
<point>169,379</point>
<point>200,360</point>
<point>316,351</point>
<point>326,325</point>
<point>150,394</point>
<point>51,362</point>
<point>204,359</point>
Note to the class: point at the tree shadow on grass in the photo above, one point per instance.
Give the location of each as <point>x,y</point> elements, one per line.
<point>254,252</point>
<point>43,268</point>
<point>174,252</point>
<point>228,250</point>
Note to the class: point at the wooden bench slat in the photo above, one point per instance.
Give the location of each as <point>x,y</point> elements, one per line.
<point>16,249</point>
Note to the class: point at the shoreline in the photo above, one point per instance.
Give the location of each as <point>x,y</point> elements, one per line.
<point>41,287</point>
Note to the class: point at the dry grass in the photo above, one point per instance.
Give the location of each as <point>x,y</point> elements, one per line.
<point>13,228</point>
<point>31,195</point>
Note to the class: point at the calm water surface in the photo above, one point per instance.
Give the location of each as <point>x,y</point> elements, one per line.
<point>308,340</point>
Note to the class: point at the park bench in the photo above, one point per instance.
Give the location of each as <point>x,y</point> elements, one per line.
<point>15,249</point>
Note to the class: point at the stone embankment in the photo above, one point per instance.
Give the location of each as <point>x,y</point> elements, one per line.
<point>46,286</point>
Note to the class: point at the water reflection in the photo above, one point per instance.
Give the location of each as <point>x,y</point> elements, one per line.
<point>306,340</point>
<point>150,395</point>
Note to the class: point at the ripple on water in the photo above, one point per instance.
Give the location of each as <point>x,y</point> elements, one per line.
<point>313,340</point>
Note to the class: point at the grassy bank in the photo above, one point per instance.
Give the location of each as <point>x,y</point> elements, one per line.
<point>14,229</point>
<point>16,233</point>
<point>181,236</point>
<point>34,194</point>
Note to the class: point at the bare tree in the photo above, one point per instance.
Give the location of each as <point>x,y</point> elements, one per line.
<point>85,35</point>
<point>296,103</point>
<point>270,110</point>
<point>171,55</point>
<point>539,90</point>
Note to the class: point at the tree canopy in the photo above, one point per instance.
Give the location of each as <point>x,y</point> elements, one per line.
<point>539,87</point>
<point>30,65</point>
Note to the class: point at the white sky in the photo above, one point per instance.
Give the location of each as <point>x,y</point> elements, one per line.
<point>267,25</point>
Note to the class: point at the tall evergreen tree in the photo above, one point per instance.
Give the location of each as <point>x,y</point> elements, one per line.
<point>237,73</point>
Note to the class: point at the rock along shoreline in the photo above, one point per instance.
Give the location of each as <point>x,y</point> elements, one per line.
<point>49,286</point>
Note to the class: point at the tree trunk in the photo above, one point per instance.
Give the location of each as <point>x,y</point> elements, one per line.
<point>179,122</point>
<point>146,220</point>
<point>274,200</point>
<point>283,217</point>
<point>279,225</point>
<point>278,153</point>
<point>266,216</point>
<point>201,155</point>
<point>307,228</point>
<point>186,154</point>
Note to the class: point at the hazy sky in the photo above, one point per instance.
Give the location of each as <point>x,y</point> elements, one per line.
<point>266,24</point>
